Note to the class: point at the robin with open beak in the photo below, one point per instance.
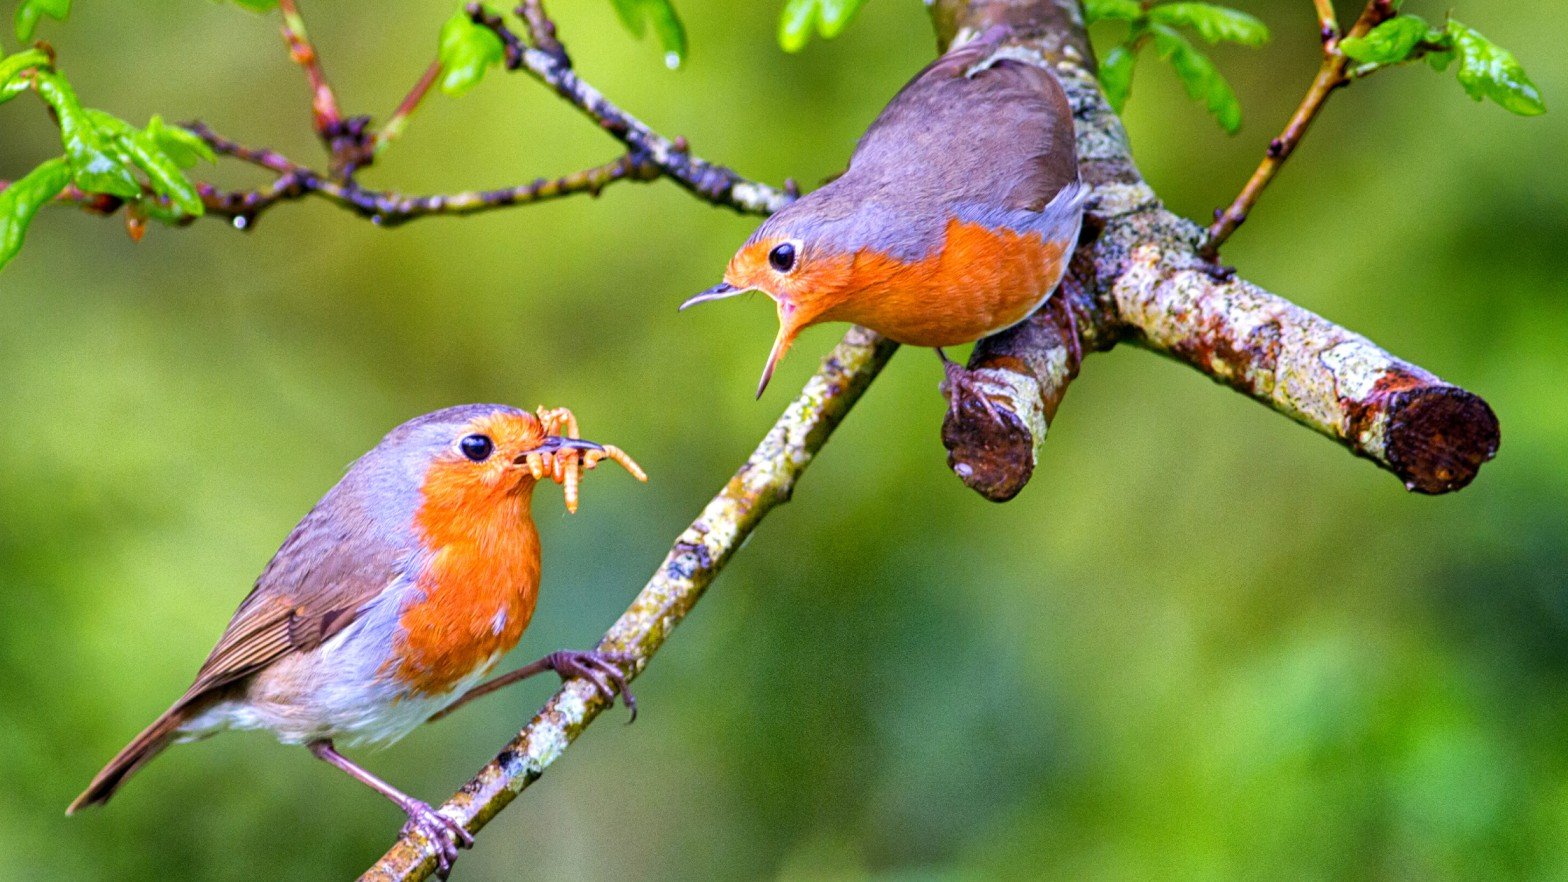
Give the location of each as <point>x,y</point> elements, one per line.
<point>955,219</point>
<point>391,601</point>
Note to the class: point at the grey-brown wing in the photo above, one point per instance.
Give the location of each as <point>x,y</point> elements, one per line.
<point>958,133</point>
<point>315,585</point>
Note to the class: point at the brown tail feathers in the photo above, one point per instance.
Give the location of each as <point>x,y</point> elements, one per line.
<point>142,748</point>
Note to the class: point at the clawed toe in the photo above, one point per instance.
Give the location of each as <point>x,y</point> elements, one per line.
<point>603,669</point>
<point>961,384</point>
<point>445,834</point>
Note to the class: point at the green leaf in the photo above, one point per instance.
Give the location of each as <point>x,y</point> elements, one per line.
<point>795,23</point>
<point>1213,23</point>
<point>94,167</point>
<point>467,50</point>
<point>1116,74</point>
<point>29,11</point>
<point>830,17</point>
<point>256,5</point>
<point>834,15</point>
<point>1487,70</point>
<point>1120,10</point>
<point>1439,61</point>
<point>20,201</point>
<point>1202,79</point>
<point>141,149</point>
<point>182,146</point>
<point>1390,42</point>
<point>637,15</point>
<point>10,67</point>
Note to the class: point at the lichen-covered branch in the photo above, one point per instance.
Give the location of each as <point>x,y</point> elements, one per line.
<point>1138,275</point>
<point>766,480</point>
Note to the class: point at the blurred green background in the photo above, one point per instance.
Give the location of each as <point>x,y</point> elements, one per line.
<point>1204,643</point>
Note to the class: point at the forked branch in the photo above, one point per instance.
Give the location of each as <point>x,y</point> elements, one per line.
<point>1139,276</point>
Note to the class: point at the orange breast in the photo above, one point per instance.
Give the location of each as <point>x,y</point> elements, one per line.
<point>478,592</point>
<point>980,281</point>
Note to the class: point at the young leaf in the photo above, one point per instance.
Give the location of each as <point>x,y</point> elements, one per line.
<point>20,201</point>
<point>795,23</point>
<point>1487,70</point>
<point>1390,42</point>
<point>136,147</point>
<point>1439,61</point>
<point>1202,79</point>
<point>10,86</point>
<point>256,5</point>
<point>637,15</point>
<point>1116,74</point>
<point>94,167</point>
<point>181,145</point>
<point>1120,10</point>
<point>467,50</point>
<point>829,16</point>
<point>834,15</point>
<point>1213,23</point>
<point>29,11</point>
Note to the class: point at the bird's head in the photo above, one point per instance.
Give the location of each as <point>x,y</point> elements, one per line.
<point>804,275</point>
<point>472,457</point>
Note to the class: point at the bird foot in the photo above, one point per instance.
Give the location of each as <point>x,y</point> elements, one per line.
<point>605,670</point>
<point>959,384</point>
<point>444,833</point>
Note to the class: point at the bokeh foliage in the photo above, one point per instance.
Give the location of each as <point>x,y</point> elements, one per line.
<point>1204,642</point>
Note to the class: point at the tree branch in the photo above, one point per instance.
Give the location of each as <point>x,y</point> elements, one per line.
<point>352,146</point>
<point>388,208</point>
<point>1330,76</point>
<point>766,480</point>
<point>1138,276</point>
<point>713,183</point>
<point>323,103</point>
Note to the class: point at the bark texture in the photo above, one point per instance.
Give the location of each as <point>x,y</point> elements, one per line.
<point>1139,276</point>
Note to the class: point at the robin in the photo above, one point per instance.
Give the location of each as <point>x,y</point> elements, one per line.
<point>392,599</point>
<point>954,220</point>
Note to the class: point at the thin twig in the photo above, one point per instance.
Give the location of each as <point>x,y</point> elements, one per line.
<point>1328,22</point>
<point>398,121</point>
<point>766,480</point>
<point>388,208</point>
<point>541,30</point>
<point>323,103</point>
<point>714,183</point>
<point>1330,76</point>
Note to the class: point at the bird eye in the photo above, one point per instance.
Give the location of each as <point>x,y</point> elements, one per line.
<point>477,447</point>
<point>782,257</point>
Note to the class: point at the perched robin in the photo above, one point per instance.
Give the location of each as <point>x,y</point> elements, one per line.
<point>954,220</point>
<point>392,599</point>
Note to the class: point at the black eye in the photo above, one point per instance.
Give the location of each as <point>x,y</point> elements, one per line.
<point>477,447</point>
<point>782,257</point>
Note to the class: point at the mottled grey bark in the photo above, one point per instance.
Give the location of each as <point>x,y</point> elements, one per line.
<point>1138,276</point>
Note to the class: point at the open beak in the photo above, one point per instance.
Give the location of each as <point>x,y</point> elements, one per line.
<point>789,327</point>
<point>552,443</point>
<point>717,292</point>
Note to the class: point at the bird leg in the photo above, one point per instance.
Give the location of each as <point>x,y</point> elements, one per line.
<point>444,833</point>
<point>960,383</point>
<point>602,669</point>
